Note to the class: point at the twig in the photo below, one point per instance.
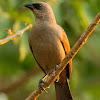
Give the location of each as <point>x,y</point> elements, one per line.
<point>20,81</point>
<point>49,79</point>
<point>19,33</point>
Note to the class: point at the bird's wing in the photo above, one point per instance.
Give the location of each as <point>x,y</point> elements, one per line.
<point>35,58</point>
<point>66,46</point>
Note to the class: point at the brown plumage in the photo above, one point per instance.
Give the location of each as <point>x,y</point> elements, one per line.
<point>49,45</point>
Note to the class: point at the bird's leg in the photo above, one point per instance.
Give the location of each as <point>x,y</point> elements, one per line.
<point>42,80</point>
<point>40,84</point>
<point>53,70</point>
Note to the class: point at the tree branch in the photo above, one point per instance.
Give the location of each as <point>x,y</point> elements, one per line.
<point>49,79</point>
<point>19,33</point>
<point>20,81</point>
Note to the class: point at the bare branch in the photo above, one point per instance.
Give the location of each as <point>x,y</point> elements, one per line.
<point>19,33</point>
<point>49,79</point>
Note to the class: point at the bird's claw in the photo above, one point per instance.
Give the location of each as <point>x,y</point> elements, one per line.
<point>58,78</point>
<point>53,70</point>
<point>40,85</point>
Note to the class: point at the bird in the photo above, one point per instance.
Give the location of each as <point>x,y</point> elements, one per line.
<point>49,45</point>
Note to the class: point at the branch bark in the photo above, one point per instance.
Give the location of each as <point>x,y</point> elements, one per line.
<point>19,33</point>
<point>49,79</point>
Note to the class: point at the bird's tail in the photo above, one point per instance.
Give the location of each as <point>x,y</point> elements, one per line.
<point>63,92</point>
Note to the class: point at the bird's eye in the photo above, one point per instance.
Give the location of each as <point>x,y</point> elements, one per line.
<point>37,6</point>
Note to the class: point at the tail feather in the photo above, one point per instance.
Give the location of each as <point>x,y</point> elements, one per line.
<point>63,92</point>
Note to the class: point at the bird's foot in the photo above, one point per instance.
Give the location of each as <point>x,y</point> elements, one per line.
<point>53,70</point>
<point>40,85</point>
<point>58,78</point>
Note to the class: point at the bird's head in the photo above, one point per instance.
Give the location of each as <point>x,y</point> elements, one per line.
<point>41,11</point>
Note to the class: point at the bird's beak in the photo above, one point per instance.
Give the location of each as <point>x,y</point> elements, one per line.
<point>30,6</point>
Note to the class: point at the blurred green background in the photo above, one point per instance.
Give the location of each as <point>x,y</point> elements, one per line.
<point>16,58</point>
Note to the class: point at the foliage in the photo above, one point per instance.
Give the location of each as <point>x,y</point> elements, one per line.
<point>16,59</point>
